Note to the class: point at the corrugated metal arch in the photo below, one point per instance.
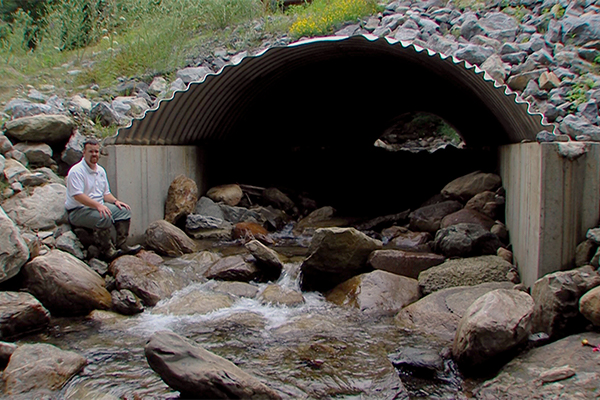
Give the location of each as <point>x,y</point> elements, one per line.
<point>297,88</point>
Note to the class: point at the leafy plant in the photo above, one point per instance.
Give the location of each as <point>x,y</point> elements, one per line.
<point>321,16</point>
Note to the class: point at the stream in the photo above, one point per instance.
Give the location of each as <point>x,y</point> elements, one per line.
<point>316,350</point>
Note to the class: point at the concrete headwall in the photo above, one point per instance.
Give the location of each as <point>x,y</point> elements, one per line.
<point>140,176</point>
<point>552,199</point>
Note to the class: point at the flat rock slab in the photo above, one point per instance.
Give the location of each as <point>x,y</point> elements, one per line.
<point>547,373</point>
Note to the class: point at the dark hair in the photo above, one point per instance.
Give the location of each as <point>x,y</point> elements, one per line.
<point>91,141</point>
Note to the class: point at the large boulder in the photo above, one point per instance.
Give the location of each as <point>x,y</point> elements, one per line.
<point>589,305</point>
<point>21,313</point>
<point>15,252</point>
<point>42,210</point>
<point>560,370</point>
<point>198,373</point>
<point>149,282</point>
<point>228,194</point>
<point>336,255</point>
<point>556,297</point>
<point>467,186</point>
<point>233,268</point>
<point>64,284</point>
<point>376,293</point>
<point>466,240</point>
<point>167,239</point>
<point>181,199</point>
<point>466,272</point>
<point>406,263</point>
<point>40,367</point>
<point>439,313</point>
<point>38,154</point>
<point>429,218</point>
<point>495,323</point>
<point>40,128</point>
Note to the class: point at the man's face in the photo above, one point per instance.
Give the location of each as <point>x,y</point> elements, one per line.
<point>91,154</point>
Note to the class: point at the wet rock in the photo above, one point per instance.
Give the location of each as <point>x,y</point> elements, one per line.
<point>376,293</point>
<point>233,268</point>
<point>40,128</point>
<point>266,259</point>
<point>467,216</point>
<point>429,218</point>
<point>494,324</point>
<point>193,267</point>
<point>125,302</point>
<point>205,227</point>
<point>150,257</point>
<point>401,238</point>
<point>64,284</point>
<point>276,294</point>
<point>405,263</point>
<point>465,240</point>
<point>149,282</point>
<point>238,289</point>
<point>335,255</point>
<point>194,302</point>
<point>195,372</point>
<point>43,209</point>
<point>228,194</point>
<point>532,369</point>
<point>589,305</point>
<point>38,154</point>
<point>467,186</point>
<point>182,197</point>
<point>20,314</point>
<point>439,313</point>
<point>40,366</point>
<point>556,297</point>
<point>465,272</point>
<point>15,251</point>
<point>167,239</point>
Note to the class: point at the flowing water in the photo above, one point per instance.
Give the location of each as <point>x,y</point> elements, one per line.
<point>316,350</point>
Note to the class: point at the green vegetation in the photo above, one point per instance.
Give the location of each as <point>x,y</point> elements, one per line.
<point>578,93</point>
<point>322,16</point>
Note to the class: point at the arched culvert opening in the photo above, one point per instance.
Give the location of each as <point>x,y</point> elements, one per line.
<point>306,116</point>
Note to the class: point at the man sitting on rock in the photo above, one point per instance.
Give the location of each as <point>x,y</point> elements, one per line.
<point>91,205</point>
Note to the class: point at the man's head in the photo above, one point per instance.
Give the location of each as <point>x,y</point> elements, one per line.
<point>91,152</point>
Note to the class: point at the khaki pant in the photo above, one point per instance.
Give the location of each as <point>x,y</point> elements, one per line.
<point>90,218</point>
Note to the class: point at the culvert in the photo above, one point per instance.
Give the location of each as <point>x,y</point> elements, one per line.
<point>306,116</point>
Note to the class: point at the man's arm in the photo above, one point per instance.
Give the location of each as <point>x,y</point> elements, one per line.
<point>109,198</point>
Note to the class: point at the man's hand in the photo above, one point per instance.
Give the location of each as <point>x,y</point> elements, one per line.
<point>104,211</point>
<point>122,205</point>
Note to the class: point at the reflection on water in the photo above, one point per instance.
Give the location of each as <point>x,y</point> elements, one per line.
<point>315,350</point>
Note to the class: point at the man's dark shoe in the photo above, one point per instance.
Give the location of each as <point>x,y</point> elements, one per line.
<point>122,228</point>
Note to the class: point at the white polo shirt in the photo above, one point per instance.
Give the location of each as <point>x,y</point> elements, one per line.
<point>81,179</point>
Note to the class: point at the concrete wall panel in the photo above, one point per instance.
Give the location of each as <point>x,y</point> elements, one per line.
<point>141,175</point>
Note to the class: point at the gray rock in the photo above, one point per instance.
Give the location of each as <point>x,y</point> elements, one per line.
<point>474,54</point>
<point>580,30</point>
<point>19,108</point>
<point>465,240</point>
<point>34,179</point>
<point>20,314</point>
<point>40,128</point>
<point>192,74</point>
<point>404,34</point>
<point>80,104</point>
<point>575,126</point>
<point>43,209</point>
<point>38,154</point>
<point>496,68</point>
<point>557,297</point>
<point>236,215</point>
<point>465,272</point>
<point>233,268</point>
<point>206,227</point>
<point>519,81</point>
<point>159,85</point>
<point>516,379</point>
<point>376,293</point>
<point>499,26</point>
<point>148,282</point>
<point>429,218</point>
<point>266,259</point>
<point>64,284</point>
<point>73,151</point>
<point>438,314</point>
<point>177,84</point>
<point>589,110</point>
<point>192,370</point>
<point>494,324</point>
<point>18,156</point>
<point>238,289</point>
<point>15,251</point>
<point>104,114</point>
<point>209,208</point>
<point>69,243</point>
<point>13,170</point>
<point>40,367</point>
<point>335,255</point>
<point>167,239</point>
<point>125,302</point>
